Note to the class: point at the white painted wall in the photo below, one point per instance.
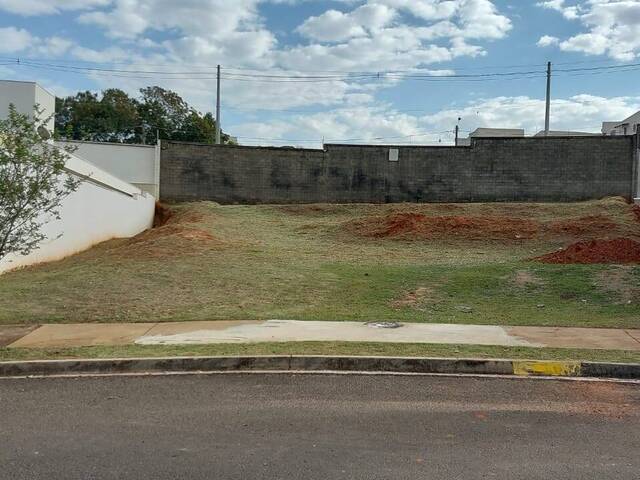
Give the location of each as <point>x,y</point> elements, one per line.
<point>25,96</point>
<point>136,164</point>
<point>103,208</point>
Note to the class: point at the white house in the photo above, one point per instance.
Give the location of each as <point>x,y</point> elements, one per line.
<point>24,96</point>
<point>628,126</point>
<point>103,207</point>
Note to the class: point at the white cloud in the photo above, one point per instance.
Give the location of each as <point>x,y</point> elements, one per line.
<point>366,35</point>
<point>14,40</point>
<point>371,35</point>
<point>335,26</point>
<point>107,55</point>
<point>54,46</point>
<point>387,125</point>
<point>612,27</point>
<point>211,18</point>
<point>577,113</point>
<point>547,40</point>
<point>366,124</point>
<point>48,7</point>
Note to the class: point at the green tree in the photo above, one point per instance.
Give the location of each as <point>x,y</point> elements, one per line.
<point>33,182</point>
<point>85,116</point>
<point>116,117</point>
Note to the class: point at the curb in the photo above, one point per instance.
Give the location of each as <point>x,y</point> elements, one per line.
<point>322,363</point>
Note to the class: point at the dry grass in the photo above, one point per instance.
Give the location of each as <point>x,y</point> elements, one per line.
<point>306,262</point>
<point>322,348</point>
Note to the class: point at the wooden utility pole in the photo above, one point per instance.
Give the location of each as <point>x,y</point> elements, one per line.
<point>548,107</point>
<point>218,138</point>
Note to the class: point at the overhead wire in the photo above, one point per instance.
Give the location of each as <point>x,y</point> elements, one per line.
<point>279,76</point>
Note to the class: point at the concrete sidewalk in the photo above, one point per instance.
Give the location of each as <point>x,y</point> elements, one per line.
<point>197,333</point>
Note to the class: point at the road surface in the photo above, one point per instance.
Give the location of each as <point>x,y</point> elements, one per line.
<point>305,427</point>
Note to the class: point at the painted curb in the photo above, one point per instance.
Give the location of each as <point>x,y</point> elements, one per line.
<point>321,363</point>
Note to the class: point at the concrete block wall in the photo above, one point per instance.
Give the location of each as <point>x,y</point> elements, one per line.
<point>229,174</point>
<point>491,169</point>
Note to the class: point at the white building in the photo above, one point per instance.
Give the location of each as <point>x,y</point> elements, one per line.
<point>484,132</point>
<point>104,206</point>
<point>628,126</point>
<point>25,96</point>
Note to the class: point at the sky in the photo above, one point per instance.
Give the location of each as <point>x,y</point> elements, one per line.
<point>300,72</point>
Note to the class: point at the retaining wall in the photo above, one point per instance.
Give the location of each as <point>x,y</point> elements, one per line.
<point>491,169</point>
<point>103,207</point>
<point>138,165</point>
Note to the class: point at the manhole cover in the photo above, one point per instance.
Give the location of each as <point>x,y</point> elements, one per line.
<point>383,324</point>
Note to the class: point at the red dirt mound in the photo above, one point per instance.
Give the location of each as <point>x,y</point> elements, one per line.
<point>618,250</point>
<point>589,225</point>
<point>179,235</point>
<point>161,216</point>
<point>416,225</point>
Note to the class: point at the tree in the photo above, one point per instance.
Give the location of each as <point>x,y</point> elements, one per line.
<point>33,182</point>
<point>116,117</point>
<point>111,118</point>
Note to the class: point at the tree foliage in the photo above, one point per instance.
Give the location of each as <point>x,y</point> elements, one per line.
<point>116,117</point>
<point>33,183</point>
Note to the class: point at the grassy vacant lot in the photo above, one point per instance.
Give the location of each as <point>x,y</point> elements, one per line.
<point>419,263</point>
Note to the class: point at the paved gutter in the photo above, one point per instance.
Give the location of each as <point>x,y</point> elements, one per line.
<point>468,366</point>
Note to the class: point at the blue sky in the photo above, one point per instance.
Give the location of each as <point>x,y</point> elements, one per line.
<point>286,63</point>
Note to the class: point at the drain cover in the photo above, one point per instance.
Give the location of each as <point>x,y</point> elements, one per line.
<point>383,324</point>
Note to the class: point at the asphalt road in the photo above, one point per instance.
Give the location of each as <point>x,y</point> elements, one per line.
<point>317,427</point>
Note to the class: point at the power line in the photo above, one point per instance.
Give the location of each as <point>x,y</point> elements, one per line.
<point>213,66</point>
<point>278,77</point>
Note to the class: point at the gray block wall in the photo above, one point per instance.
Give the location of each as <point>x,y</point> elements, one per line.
<point>491,169</point>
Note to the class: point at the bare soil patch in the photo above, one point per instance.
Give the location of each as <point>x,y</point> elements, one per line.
<point>416,298</point>
<point>523,278</point>
<point>618,250</point>
<point>316,209</point>
<point>161,215</point>
<point>177,233</point>
<point>603,220</point>
<point>621,282</point>
<point>412,226</point>
<point>591,225</point>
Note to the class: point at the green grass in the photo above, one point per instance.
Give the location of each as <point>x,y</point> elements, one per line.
<point>324,348</point>
<point>303,263</point>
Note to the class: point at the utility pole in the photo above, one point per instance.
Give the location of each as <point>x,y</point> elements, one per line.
<point>457,130</point>
<point>548,109</point>
<point>218,139</point>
